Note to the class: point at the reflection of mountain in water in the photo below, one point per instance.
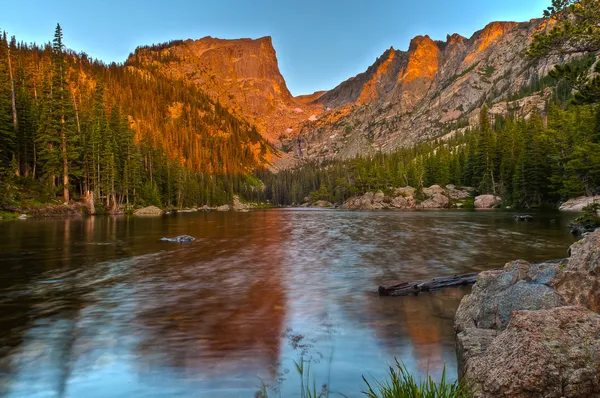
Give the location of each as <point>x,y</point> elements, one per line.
<point>94,306</point>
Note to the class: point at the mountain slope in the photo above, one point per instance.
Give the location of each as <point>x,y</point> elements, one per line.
<point>430,90</point>
<point>241,74</point>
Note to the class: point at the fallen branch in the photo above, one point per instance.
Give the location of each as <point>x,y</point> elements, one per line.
<point>428,285</point>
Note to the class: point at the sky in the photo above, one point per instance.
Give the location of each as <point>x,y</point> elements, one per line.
<point>319,43</point>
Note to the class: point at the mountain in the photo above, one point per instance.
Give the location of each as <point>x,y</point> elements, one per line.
<point>433,89</point>
<point>243,75</point>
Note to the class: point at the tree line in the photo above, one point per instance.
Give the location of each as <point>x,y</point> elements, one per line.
<point>71,126</point>
<point>540,161</point>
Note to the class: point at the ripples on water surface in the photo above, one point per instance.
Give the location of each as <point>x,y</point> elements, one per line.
<point>98,307</point>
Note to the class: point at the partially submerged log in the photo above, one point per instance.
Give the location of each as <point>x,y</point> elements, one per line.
<point>428,285</point>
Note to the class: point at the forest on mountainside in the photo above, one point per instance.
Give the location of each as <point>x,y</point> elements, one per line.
<point>70,126</point>
<point>529,163</point>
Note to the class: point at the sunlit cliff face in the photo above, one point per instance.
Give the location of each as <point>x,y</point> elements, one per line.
<point>369,92</point>
<point>423,61</point>
<point>241,74</point>
<point>489,35</point>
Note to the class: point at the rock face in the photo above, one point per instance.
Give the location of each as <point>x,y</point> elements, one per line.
<point>409,96</point>
<point>241,74</point>
<point>534,330</point>
<point>435,196</point>
<point>149,211</point>
<point>577,204</point>
<point>487,201</point>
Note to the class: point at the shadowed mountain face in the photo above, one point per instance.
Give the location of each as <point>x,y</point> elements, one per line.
<point>241,74</point>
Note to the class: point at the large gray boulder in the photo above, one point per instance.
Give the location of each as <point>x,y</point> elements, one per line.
<point>546,353</point>
<point>533,330</point>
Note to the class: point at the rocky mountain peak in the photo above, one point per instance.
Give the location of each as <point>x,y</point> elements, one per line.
<point>242,74</point>
<point>435,89</point>
<point>423,60</point>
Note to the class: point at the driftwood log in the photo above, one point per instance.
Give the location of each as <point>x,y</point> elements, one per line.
<point>427,285</point>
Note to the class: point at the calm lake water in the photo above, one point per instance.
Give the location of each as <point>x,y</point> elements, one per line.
<point>99,307</point>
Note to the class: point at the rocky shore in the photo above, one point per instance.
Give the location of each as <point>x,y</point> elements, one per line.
<point>533,330</point>
<point>434,197</point>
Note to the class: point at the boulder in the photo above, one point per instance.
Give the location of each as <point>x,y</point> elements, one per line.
<point>223,208</point>
<point>487,201</point>
<point>148,211</point>
<point>379,197</point>
<point>400,202</point>
<point>457,194</point>
<point>519,286</point>
<point>405,192</point>
<point>179,239</point>
<point>437,201</point>
<point>550,353</point>
<point>432,190</point>
<point>533,330</point>
<point>579,283</point>
<point>322,204</point>
<point>577,204</point>
<point>239,206</point>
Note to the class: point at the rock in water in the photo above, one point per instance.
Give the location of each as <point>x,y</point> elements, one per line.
<point>525,218</point>
<point>534,330</point>
<point>223,208</point>
<point>180,239</point>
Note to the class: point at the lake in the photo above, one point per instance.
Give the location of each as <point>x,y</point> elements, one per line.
<point>100,307</point>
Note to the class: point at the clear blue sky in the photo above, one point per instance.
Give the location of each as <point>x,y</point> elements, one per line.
<point>319,43</point>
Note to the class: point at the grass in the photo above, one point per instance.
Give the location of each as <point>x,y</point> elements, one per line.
<point>5,215</point>
<point>401,384</point>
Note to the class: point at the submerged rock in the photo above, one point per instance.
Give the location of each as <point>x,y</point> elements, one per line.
<point>525,218</point>
<point>533,330</point>
<point>148,211</point>
<point>180,239</point>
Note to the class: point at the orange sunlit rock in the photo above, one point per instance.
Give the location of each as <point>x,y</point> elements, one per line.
<point>369,92</point>
<point>423,60</point>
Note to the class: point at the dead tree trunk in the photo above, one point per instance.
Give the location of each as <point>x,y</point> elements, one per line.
<point>427,285</point>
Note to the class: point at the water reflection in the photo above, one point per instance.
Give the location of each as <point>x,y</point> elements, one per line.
<point>99,307</point>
